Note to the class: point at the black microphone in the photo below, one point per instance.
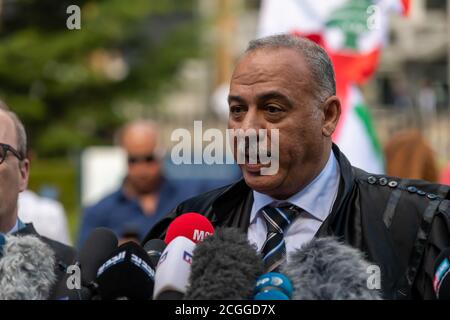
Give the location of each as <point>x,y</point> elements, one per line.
<point>224,267</point>
<point>325,269</point>
<point>99,245</point>
<point>441,282</point>
<point>154,249</point>
<point>27,269</point>
<point>126,274</point>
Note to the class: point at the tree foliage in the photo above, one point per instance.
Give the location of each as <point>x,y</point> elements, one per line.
<point>70,86</point>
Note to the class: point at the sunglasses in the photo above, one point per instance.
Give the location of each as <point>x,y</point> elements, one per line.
<point>4,148</point>
<point>136,159</point>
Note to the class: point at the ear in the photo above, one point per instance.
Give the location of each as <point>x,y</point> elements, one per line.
<point>24,171</point>
<point>331,112</point>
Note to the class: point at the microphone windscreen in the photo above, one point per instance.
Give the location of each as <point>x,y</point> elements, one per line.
<point>274,281</point>
<point>173,270</point>
<point>441,282</point>
<point>154,249</point>
<point>271,295</point>
<point>191,225</point>
<point>127,273</point>
<point>27,269</point>
<point>325,269</point>
<point>99,245</point>
<point>225,267</point>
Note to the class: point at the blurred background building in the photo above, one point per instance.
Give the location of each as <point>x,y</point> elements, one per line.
<point>171,61</point>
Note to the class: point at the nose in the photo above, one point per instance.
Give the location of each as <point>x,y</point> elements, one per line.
<point>252,120</point>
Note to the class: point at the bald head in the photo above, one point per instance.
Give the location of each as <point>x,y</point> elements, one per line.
<point>143,132</point>
<point>140,141</point>
<point>17,130</point>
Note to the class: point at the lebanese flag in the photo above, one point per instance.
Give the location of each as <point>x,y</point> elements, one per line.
<point>353,32</point>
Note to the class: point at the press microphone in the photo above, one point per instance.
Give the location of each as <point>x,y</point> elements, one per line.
<point>273,286</point>
<point>26,269</point>
<point>225,267</point>
<point>99,245</point>
<point>325,269</point>
<point>191,225</point>
<point>173,270</point>
<point>441,282</point>
<point>154,249</point>
<point>126,274</point>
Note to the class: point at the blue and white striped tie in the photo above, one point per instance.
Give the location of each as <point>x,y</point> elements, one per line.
<point>277,221</point>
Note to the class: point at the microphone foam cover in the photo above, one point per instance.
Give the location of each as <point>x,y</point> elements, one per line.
<point>191,225</point>
<point>325,269</point>
<point>271,295</point>
<point>225,267</point>
<point>274,281</point>
<point>26,269</point>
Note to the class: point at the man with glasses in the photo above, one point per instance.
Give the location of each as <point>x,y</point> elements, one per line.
<point>145,194</point>
<point>14,172</point>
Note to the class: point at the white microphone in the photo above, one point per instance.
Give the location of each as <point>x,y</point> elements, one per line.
<point>173,270</point>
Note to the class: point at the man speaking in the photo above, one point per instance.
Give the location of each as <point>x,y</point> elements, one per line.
<point>287,83</point>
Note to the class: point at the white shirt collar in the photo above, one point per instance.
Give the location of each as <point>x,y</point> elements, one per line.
<point>15,228</point>
<point>316,198</point>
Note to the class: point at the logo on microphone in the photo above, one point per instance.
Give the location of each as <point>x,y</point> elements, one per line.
<point>187,257</point>
<point>199,235</point>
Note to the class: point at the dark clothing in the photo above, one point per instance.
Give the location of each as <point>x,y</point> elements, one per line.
<point>401,225</point>
<point>64,255</point>
<point>125,216</point>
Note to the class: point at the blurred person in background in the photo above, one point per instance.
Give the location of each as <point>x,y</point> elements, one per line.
<point>47,215</point>
<point>408,155</point>
<point>445,175</point>
<point>14,173</point>
<point>145,194</point>
<point>427,101</point>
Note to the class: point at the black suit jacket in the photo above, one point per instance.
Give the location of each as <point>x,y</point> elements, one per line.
<point>64,255</point>
<point>401,225</point>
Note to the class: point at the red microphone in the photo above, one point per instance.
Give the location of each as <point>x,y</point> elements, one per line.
<point>191,225</point>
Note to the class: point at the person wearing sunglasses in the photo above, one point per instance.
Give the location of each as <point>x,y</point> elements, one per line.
<point>145,195</point>
<point>14,173</point>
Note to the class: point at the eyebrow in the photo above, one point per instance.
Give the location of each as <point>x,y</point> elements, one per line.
<point>238,99</point>
<point>276,96</point>
<point>263,97</point>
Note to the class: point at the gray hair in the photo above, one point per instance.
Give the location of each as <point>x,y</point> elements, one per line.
<point>20,130</point>
<point>320,64</point>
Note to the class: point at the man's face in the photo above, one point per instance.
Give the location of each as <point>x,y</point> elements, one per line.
<point>13,174</point>
<point>143,166</point>
<point>273,89</point>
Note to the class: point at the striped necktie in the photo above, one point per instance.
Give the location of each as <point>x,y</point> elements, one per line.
<point>277,221</point>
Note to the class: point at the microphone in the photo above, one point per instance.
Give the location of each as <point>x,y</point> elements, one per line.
<point>191,225</point>
<point>273,286</point>
<point>99,245</point>
<point>174,269</point>
<point>26,269</point>
<point>441,282</point>
<point>154,249</point>
<point>126,274</point>
<point>225,266</point>
<point>325,269</point>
